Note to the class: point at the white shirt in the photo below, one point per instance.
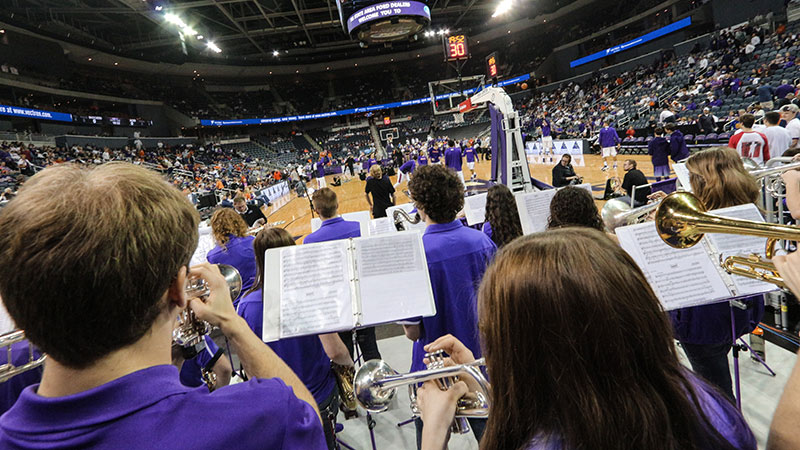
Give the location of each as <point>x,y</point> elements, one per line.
<point>778,138</point>
<point>755,41</point>
<point>749,48</point>
<point>793,127</point>
<point>665,114</point>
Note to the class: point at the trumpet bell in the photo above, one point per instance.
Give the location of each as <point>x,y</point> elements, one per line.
<point>369,392</point>
<point>233,278</point>
<point>676,217</point>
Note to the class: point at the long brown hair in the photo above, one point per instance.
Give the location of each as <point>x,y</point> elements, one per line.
<point>226,222</point>
<point>719,179</point>
<point>502,215</point>
<point>579,350</point>
<point>266,239</point>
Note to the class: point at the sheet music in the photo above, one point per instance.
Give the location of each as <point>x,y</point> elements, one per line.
<point>586,186</point>
<point>683,176</point>
<point>679,277</point>
<point>393,278</point>
<point>204,245</point>
<point>381,225</point>
<point>534,209</point>
<point>362,217</point>
<point>475,208</point>
<point>734,244</point>
<point>313,292</point>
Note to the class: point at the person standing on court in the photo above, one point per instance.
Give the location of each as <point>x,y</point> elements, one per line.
<point>659,151</point>
<point>678,149</point>
<point>453,160</point>
<point>382,192</point>
<point>609,143</point>
<point>320,166</point>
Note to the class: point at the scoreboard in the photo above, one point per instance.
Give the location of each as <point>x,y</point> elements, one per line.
<point>456,48</point>
<point>491,65</point>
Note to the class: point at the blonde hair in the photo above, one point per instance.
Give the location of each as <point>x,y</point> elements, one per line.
<point>226,222</point>
<point>719,179</point>
<point>376,172</point>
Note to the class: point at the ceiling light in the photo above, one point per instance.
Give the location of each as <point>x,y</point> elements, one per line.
<point>89,59</point>
<point>213,47</point>
<point>276,53</point>
<point>189,31</point>
<point>200,36</point>
<point>503,7</point>
<point>159,8</point>
<point>116,63</point>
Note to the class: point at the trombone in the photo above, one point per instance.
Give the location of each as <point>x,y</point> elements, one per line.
<point>681,221</point>
<point>8,369</point>
<point>616,213</point>
<point>376,384</point>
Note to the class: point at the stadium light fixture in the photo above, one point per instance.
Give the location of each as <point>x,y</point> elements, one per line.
<point>213,47</point>
<point>200,37</point>
<point>276,53</point>
<point>503,7</point>
<point>189,31</point>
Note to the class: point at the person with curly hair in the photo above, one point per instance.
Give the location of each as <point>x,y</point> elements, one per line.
<point>502,218</point>
<point>573,206</point>
<point>457,257</point>
<point>234,246</point>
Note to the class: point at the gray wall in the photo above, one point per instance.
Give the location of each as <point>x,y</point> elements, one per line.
<point>732,12</point>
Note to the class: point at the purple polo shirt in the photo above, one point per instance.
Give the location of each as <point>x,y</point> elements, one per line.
<point>333,230</point>
<point>304,355</point>
<point>469,152</point>
<point>487,229</point>
<point>11,389</point>
<point>151,409</point>
<point>608,137</point>
<point>238,252</point>
<point>452,158</point>
<point>408,166</point>
<point>457,258</point>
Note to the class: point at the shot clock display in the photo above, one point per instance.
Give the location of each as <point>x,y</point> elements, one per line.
<point>456,48</point>
<point>491,65</point>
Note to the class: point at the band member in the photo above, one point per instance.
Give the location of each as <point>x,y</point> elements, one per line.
<point>453,160</point>
<point>502,223</point>
<point>609,144</point>
<point>564,174</point>
<point>530,300</point>
<point>634,178</point>
<point>382,192</point>
<point>659,151</point>
<point>783,431</point>
<point>102,305</point>
<point>469,154</point>
<point>719,180</point>
<point>574,207</point>
<point>234,246</point>
<point>251,214</point>
<point>308,356</point>
<point>457,257</point>
<point>334,228</point>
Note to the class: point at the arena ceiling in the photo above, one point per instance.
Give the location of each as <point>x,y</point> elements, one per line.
<point>245,30</point>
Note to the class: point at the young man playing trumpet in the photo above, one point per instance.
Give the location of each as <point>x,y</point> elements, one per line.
<point>98,290</point>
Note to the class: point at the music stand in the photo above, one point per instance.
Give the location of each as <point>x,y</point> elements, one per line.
<point>743,346</point>
<point>370,421</point>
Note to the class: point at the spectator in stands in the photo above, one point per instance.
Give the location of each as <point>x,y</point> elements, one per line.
<point>749,143</point>
<point>667,115</point>
<point>382,192</point>
<point>778,137</point>
<point>564,174</point>
<point>783,89</point>
<point>659,151</point>
<point>630,132</point>
<point>633,179</point>
<point>251,214</point>
<point>677,144</point>
<point>707,122</point>
<point>765,96</point>
<point>789,114</point>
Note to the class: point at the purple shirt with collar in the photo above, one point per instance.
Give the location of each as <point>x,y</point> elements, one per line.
<point>150,408</point>
<point>333,230</point>
<point>452,158</point>
<point>457,258</point>
<point>237,252</point>
<point>305,355</point>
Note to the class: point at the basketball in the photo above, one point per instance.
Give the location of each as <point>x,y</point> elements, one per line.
<point>524,86</point>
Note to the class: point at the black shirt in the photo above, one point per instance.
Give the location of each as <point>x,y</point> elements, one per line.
<point>381,191</point>
<point>635,177</point>
<point>560,174</point>
<point>253,213</point>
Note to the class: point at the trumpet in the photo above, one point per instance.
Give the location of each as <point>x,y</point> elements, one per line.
<point>770,176</point>
<point>376,384</point>
<point>191,329</point>
<point>681,221</point>
<point>8,369</point>
<point>400,216</point>
<point>616,213</point>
